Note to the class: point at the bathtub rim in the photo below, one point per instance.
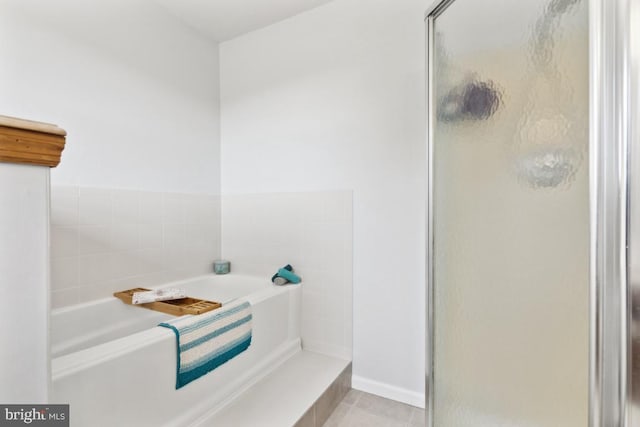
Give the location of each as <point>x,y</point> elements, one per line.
<point>174,283</point>
<point>71,363</point>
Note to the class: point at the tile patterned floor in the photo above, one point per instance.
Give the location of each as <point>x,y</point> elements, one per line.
<point>359,409</point>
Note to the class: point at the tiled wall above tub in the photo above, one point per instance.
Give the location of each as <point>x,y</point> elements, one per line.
<point>105,240</point>
<point>312,232</point>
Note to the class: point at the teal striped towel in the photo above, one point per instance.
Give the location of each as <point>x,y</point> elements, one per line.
<point>208,340</point>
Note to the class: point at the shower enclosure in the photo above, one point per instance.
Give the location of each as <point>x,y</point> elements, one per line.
<point>533,219</point>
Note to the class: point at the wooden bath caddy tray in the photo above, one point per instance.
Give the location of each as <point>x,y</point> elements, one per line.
<point>177,307</point>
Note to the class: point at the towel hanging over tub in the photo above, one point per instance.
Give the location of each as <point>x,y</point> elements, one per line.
<point>208,340</point>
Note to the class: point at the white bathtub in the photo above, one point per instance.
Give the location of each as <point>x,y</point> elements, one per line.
<point>115,367</point>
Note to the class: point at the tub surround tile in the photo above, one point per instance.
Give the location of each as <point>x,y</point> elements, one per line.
<point>174,209</point>
<point>94,269</point>
<point>64,242</point>
<point>93,239</point>
<point>105,240</point>
<point>116,236</point>
<point>311,231</point>
<point>64,208</point>
<point>64,273</point>
<point>126,207</point>
<point>124,264</point>
<point>150,236</point>
<point>58,191</point>
<point>89,293</point>
<point>150,207</point>
<point>94,206</point>
<point>65,297</point>
<point>174,235</point>
<point>149,260</point>
<point>325,335</point>
<point>124,237</point>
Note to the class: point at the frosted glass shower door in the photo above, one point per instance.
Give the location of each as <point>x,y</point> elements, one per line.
<point>510,213</point>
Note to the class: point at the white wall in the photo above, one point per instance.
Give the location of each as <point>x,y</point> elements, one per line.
<point>135,89</point>
<point>334,99</point>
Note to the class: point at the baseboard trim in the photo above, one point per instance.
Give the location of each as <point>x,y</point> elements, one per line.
<point>388,391</point>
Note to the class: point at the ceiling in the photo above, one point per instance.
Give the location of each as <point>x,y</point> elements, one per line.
<point>221,20</point>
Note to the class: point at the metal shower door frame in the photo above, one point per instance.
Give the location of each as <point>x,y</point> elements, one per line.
<point>630,15</point>
<point>614,208</point>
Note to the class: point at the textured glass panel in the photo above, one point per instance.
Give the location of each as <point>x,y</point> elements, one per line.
<point>511,214</point>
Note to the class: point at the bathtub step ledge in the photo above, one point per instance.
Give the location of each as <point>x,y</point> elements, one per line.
<point>302,391</point>
<point>228,393</point>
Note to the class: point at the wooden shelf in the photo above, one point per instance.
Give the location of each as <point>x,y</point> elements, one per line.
<point>29,142</point>
<point>176,307</point>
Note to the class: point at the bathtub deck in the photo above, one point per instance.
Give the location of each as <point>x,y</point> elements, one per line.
<point>285,396</point>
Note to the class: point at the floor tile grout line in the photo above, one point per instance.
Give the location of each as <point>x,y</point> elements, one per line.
<point>350,416</point>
